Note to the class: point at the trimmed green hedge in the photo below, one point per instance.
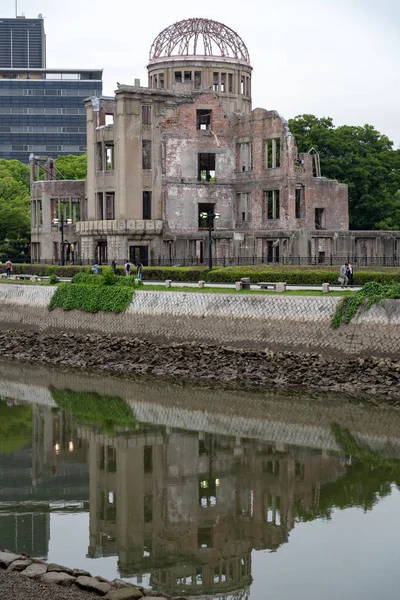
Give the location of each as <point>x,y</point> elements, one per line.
<point>289,274</point>
<point>91,298</point>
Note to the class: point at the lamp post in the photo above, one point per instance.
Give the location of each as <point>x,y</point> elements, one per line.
<point>210,216</point>
<point>61,222</point>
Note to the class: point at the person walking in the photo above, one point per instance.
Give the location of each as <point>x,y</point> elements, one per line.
<point>8,269</point>
<point>114,266</point>
<point>128,267</point>
<point>349,274</point>
<point>343,279</point>
<point>139,271</point>
<point>95,269</point>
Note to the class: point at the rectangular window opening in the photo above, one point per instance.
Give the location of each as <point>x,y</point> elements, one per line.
<point>197,80</point>
<point>161,80</point>
<point>203,221</point>
<point>243,202</point>
<point>109,157</point>
<point>299,202</point>
<point>206,167</point>
<point>223,82</point>
<point>319,218</point>
<point>230,82</point>
<point>146,204</point>
<point>187,76</point>
<point>204,537</point>
<point>100,208</point>
<point>245,156</point>
<point>178,76</point>
<point>146,155</point>
<point>273,153</point>
<point>109,119</point>
<point>216,82</point>
<point>271,204</point>
<point>99,156</point>
<point>204,119</point>
<point>242,85</point>
<point>148,459</point>
<point>110,206</point>
<point>146,115</point>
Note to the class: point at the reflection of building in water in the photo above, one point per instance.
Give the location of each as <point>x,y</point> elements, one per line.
<point>48,474</point>
<point>190,507</point>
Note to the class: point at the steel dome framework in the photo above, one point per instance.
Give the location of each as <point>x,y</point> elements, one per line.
<point>199,37</point>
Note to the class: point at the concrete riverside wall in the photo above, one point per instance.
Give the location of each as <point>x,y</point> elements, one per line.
<point>298,323</point>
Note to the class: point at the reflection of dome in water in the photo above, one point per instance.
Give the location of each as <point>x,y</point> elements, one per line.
<point>199,37</point>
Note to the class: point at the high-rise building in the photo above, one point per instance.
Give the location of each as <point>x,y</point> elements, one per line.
<point>22,43</point>
<point>41,110</point>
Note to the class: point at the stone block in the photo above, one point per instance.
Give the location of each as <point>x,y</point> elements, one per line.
<point>34,278</point>
<point>127,593</point>
<point>78,572</point>
<point>91,584</point>
<point>131,224</point>
<point>6,558</point>
<point>325,288</point>
<point>245,283</point>
<point>168,283</point>
<point>55,567</point>
<point>201,284</point>
<point>280,287</point>
<point>58,577</point>
<point>238,285</point>
<point>19,565</point>
<point>35,570</point>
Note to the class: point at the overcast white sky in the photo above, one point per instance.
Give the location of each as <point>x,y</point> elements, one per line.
<point>337,58</point>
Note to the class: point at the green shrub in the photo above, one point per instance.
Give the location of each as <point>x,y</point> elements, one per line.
<point>53,279</point>
<point>87,279</point>
<point>91,298</point>
<point>370,294</point>
<point>108,276</point>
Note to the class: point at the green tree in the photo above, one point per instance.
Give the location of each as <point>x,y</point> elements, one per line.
<point>71,167</point>
<point>14,208</point>
<point>361,157</point>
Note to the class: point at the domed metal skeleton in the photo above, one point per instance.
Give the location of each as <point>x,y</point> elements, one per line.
<point>199,37</point>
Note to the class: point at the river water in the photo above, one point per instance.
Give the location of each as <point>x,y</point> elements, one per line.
<point>199,492</point>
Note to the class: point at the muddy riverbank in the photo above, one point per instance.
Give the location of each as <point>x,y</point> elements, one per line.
<point>212,365</point>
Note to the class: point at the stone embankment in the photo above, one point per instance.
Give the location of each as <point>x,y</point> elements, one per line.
<point>51,580</point>
<point>206,364</point>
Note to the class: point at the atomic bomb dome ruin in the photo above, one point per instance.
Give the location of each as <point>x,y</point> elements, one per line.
<point>187,153</point>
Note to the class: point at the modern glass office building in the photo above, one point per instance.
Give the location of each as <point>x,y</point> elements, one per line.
<point>22,43</point>
<point>41,110</point>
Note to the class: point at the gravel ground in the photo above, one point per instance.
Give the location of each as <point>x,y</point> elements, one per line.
<point>14,586</point>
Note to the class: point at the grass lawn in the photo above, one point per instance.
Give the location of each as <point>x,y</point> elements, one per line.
<point>217,290</point>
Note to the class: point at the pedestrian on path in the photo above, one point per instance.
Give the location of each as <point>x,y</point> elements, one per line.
<point>128,268</point>
<point>139,271</point>
<point>114,266</point>
<point>8,268</point>
<point>343,279</point>
<point>349,274</point>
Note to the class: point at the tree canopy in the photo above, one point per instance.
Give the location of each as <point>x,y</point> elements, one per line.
<point>14,208</point>
<point>361,157</point>
<point>71,166</point>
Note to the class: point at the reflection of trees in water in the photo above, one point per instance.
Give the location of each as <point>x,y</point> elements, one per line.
<point>15,426</point>
<point>367,480</point>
